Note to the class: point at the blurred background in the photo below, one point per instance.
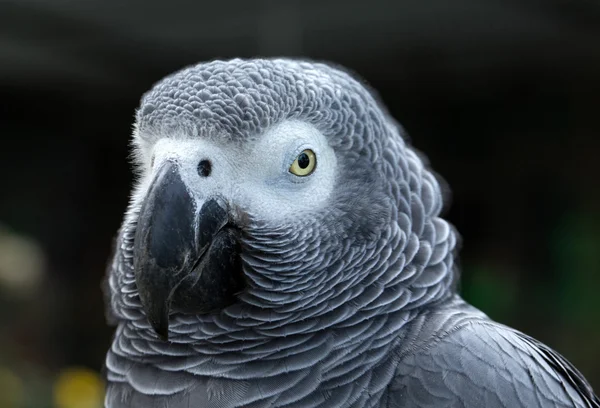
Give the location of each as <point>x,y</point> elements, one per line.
<point>502,95</point>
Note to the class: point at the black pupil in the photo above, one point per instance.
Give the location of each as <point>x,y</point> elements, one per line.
<point>303,160</point>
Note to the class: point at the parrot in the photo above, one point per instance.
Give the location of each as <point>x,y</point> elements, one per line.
<point>284,246</point>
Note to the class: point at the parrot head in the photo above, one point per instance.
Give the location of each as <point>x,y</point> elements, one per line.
<point>271,189</point>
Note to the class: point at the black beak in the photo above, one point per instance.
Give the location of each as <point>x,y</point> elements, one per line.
<point>186,258</point>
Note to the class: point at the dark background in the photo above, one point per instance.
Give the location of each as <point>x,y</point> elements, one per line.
<point>503,97</point>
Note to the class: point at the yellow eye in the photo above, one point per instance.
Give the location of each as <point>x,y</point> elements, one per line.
<point>304,164</point>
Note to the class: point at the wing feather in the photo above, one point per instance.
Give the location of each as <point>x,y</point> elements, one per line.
<point>483,363</point>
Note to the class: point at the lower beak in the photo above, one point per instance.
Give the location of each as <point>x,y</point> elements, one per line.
<point>186,254</point>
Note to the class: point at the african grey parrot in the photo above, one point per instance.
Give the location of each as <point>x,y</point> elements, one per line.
<point>284,248</point>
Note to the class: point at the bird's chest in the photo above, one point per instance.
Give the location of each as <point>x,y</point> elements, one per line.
<point>348,378</point>
<point>359,387</point>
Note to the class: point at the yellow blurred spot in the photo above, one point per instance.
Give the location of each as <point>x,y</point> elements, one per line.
<point>78,388</point>
<point>11,389</point>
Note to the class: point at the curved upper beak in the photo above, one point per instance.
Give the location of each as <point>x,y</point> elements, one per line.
<point>186,255</point>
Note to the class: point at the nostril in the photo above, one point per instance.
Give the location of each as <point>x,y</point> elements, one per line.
<point>204,168</point>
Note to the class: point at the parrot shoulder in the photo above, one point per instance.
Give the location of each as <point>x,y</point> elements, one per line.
<point>452,359</point>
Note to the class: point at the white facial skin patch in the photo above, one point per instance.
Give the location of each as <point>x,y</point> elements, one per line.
<point>253,176</point>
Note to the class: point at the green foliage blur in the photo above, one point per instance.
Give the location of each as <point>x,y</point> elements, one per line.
<point>564,311</point>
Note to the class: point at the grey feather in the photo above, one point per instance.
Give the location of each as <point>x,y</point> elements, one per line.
<point>471,361</point>
<point>350,305</point>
